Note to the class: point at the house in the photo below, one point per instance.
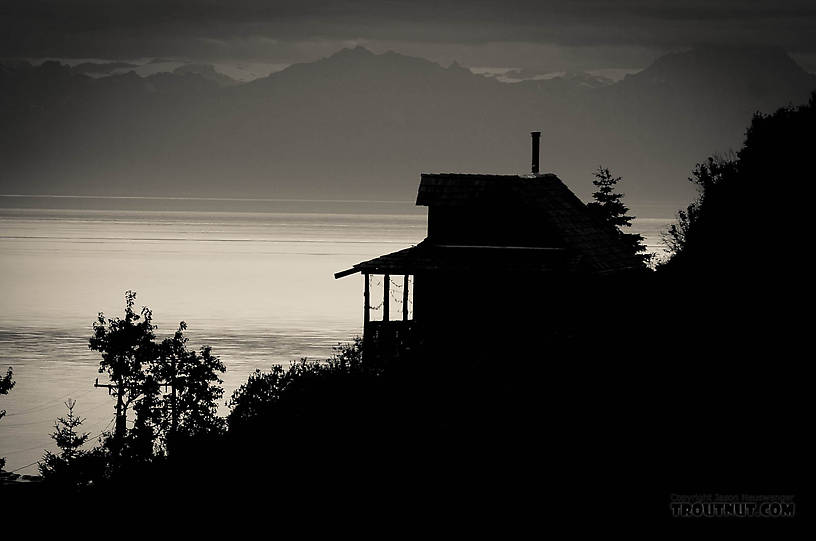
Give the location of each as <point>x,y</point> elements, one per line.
<point>505,255</point>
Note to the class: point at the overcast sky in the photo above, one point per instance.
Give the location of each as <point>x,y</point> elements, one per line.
<point>539,34</point>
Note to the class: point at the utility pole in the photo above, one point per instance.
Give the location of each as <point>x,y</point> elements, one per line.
<point>386,298</point>
<point>405,285</point>
<point>121,419</point>
<point>171,440</point>
<point>121,415</point>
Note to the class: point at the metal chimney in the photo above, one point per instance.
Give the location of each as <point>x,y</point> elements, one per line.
<point>536,138</point>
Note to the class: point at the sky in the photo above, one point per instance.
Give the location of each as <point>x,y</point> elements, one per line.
<point>540,35</point>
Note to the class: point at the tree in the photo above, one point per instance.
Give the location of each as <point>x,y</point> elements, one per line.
<point>693,231</point>
<point>61,468</point>
<point>127,348</point>
<point>6,384</point>
<point>752,209</point>
<point>303,385</point>
<point>608,208</point>
<point>195,387</point>
<point>139,367</point>
<point>734,291</point>
<point>143,441</point>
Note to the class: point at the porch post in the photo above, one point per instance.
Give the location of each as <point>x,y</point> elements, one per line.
<point>386,304</point>
<point>417,300</point>
<point>405,298</point>
<point>366,300</point>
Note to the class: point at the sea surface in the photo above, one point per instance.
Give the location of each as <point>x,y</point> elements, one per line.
<point>254,282</point>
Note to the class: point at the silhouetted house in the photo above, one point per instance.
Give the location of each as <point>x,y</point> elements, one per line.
<point>504,254</point>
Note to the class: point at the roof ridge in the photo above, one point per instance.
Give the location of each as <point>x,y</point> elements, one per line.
<point>555,204</point>
<point>530,176</point>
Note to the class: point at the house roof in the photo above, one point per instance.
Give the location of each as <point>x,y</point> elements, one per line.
<point>456,189</point>
<point>427,256</point>
<point>585,244</point>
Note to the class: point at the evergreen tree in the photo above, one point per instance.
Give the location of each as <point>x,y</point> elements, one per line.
<point>609,208</point>
<point>60,467</point>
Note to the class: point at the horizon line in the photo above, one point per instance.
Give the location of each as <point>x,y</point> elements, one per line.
<point>196,198</point>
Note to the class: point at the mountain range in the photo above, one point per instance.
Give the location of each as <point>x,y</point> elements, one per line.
<point>359,125</point>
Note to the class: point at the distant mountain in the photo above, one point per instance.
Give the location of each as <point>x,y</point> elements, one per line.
<point>207,71</point>
<point>364,125</point>
<point>102,68</point>
<point>566,79</point>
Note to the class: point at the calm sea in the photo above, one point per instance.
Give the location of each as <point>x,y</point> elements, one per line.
<point>255,283</point>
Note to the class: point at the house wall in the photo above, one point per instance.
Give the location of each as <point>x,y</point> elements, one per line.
<point>514,314</point>
<point>483,302</point>
<point>489,226</point>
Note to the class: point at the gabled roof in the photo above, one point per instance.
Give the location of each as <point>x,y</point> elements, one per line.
<point>457,189</point>
<point>585,244</point>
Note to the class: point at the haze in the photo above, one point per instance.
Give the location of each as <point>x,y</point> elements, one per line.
<point>352,100</point>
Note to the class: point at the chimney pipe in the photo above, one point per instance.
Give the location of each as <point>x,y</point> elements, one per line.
<point>536,137</point>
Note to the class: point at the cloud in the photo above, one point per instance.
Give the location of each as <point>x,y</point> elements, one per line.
<point>273,30</point>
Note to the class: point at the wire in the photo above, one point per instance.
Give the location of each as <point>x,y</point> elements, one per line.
<point>38,446</point>
<point>39,407</point>
<point>46,405</point>
<point>24,467</point>
<point>43,421</point>
<point>21,450</point>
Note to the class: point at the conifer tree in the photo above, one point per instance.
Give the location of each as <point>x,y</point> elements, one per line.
<point>61,467</point>
<point>609,208</point>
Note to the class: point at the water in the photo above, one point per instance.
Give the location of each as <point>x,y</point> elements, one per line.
<point>256,286</point>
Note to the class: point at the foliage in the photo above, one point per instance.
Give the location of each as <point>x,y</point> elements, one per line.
<point>6,384</point>
<point>143,440</point>
<point>65,434</point>
<point>138,368</point>
<point>198,386</point>
<point>733,290</point>
<point>72,467</point>
<point>710,177</point>
<point>744,199</point>
<point>609,208</point>
<point>127,347</point>
<point>292,388</point>
<point>126,344</point>
<point>608,205</point>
